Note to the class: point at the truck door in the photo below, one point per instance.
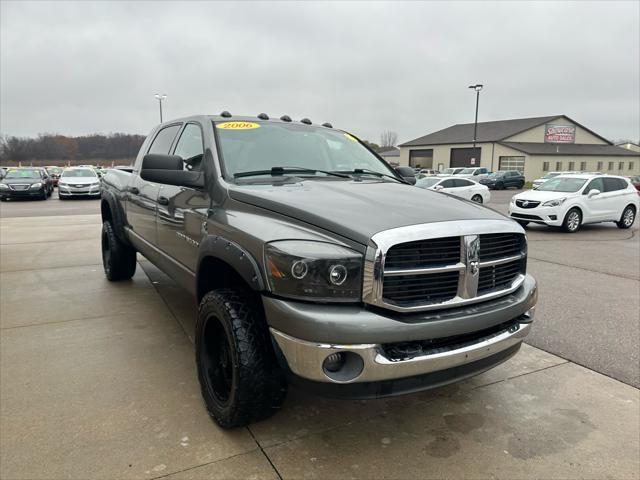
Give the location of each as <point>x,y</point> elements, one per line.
<point>142,195</point>
<point>182,210</point>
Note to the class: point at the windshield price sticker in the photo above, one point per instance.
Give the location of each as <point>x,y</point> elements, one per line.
<point>238,125</point>
<point>350,137</point>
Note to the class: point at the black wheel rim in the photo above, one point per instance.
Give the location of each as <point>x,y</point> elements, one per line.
<point>217,361</point>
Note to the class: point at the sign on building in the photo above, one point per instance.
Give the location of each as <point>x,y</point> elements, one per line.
<point>560,134</point>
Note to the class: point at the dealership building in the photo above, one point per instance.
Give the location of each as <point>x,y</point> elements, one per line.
<point>534,146</point>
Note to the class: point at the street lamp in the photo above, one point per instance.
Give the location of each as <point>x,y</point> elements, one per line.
<point>160,99</point>
<point>477,87</point>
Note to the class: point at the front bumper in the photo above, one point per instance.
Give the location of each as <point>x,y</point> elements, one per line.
<point>22,193</point>
<point>368,337</point>
<point>552,216</point>
<point>66,191</point>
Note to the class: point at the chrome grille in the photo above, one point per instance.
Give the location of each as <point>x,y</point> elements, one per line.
<point>425,267</point>
<point>424,253</point>
<point>527,203</point>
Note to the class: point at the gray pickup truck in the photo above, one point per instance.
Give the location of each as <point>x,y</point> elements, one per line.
<point>314,263</point>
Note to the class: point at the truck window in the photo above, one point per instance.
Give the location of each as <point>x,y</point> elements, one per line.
<point>190,142</point>
<point>164,139</point>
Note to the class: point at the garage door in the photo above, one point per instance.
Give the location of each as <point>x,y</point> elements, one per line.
<point>465,157</point>
<point>511,163</point>
<point>421,158</point>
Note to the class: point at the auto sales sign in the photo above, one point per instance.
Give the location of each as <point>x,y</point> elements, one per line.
<point>559,134</point>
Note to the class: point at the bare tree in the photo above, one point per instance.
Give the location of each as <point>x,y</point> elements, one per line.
<point>388,139</point>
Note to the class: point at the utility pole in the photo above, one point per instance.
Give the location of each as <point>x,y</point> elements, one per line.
<point>161,97</point>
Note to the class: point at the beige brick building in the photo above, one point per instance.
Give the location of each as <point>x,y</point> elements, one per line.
<point>532,145</point>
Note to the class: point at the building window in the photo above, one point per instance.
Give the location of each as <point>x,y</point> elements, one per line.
<point>572,166</point>
<point>610,166</point>
<point>599,167</point>
<point>511,163</point>
<point>545,166</point>
<point>558,166</point>
<point>583,166</point>
<point>621,166</point>
<point>630,165</point>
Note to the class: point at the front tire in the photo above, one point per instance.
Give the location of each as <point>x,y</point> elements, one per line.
<point>240,379</point>
<point>572,221</point>
<point>499,186</point>
<point>627,218</point>
<point>477,199</point>
<point>118,258</point>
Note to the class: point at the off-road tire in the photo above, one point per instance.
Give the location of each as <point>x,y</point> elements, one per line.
<point>523,223</point>
<point>568,224</point>
<point>118,258</point>
<point>477,199</point>
<point>256,387</point>
<point>627,218</point>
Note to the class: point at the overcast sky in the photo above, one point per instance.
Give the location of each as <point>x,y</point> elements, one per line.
<point>85,67</point>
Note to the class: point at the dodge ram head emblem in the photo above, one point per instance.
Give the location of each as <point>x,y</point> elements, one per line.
<point>471,258</point>
<point>474,267</point>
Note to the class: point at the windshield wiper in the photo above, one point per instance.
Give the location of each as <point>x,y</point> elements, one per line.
<point>366,171</point>
<point>279,171</point>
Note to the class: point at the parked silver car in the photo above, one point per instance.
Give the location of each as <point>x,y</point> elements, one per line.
<point>79,182</point>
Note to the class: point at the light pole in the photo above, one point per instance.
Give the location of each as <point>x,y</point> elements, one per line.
<point>477,87</point>
<point>162,97</point>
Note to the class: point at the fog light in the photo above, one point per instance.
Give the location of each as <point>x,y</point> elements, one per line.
<point>334,362</point>
<point>553,217</point>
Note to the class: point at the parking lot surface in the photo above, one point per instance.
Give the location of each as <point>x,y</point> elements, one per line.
<point>98,379</point>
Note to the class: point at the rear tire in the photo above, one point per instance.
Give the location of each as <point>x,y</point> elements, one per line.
<point>118,258</point>
<point>522,223</point>
<point>477,199</point>
<point>240,379</point>
<point>572,221</point>
<point>627,218</point>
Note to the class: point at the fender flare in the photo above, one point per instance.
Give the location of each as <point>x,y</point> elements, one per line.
<point>243,262</point>
<point>118,216</point>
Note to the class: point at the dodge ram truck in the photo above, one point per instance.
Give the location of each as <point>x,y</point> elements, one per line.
<point>314,263</point>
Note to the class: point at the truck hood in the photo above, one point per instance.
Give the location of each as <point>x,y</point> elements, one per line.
<point>359,209</point>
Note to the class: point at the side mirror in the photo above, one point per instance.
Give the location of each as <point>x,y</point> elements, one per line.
<point>593,192</point>
<point>168,170</point>
<point>437,188</point>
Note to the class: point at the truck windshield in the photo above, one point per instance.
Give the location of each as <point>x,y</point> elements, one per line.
<point>263,146</point>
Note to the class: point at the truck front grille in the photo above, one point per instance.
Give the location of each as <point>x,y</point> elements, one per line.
<point>447,271</point>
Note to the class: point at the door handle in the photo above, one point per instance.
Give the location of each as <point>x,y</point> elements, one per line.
<point>163,200</point>
<point>134,190</point>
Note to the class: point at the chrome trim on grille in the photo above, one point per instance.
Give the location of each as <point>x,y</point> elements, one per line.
<point>469,266</point>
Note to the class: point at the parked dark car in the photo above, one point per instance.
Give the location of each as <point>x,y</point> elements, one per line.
<point>25,183</point>
<point>407,173</point>
<point>314,263</point>
<point>503,179</point>
<point>54,173</point>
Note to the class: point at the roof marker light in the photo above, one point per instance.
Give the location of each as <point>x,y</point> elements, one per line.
<point>225,114</point>
<point>285,118</point>
<point>306,121</point>
<point>263,116</point>
<point>327,124</point>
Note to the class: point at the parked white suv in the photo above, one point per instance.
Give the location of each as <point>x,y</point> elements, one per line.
<point>569,201</point>
<point>473,173</point>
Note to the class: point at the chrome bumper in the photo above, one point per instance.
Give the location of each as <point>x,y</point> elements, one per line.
<point>305,359</point>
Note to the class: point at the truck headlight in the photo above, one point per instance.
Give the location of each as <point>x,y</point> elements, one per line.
<point>308,270</point>
<point>554,203</point>
<point>36,186</point>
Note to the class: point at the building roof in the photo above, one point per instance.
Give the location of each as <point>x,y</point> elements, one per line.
<point>487,131</point>
<point>569,149</point>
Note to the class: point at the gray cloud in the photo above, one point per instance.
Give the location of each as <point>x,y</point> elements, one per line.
<point>83,67</point>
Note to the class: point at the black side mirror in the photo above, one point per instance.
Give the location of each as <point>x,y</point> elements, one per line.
<point>168,170</point>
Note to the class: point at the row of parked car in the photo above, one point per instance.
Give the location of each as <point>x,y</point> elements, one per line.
<point>499,180</point>
<point>39,182</point>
